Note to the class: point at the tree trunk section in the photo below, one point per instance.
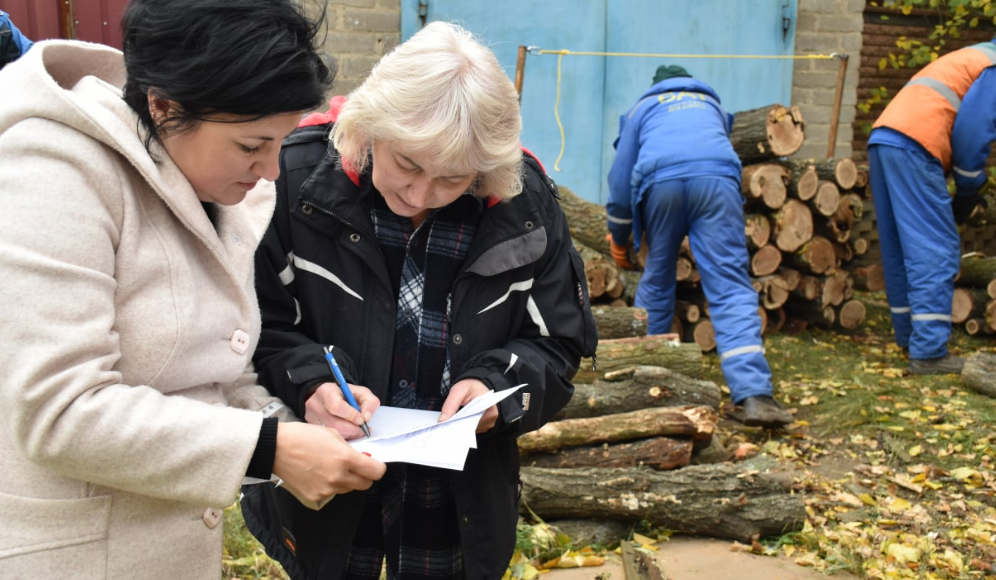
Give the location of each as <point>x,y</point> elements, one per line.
<point>850,315</point>
<point>977,272</point>
<point>691,421</point>
<point>703,334</point>
<point>603,279</point>
<point>804,180</point>
<point>766,133</point>
<point>979,373</point>
<point>637,388</point>
<point>657,453</point>
<point>585,219</point>
<point>827,199</point>
<point>834,288</point>
<point>765,182</point>
<point>816,256</point>
<point>774,291</point>
<point>663,350</point>
<point>968,303</point>
<point>687,311</point>
<point>765,261</point>
<point>841,171</point>
<point>870,278</point>
<point>793,225</point>
<point>741,501</point>
<point>977,327</point>
<point>620,322</point>
<point>758,230</point>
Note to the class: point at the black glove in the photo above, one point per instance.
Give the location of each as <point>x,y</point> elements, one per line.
<point>964,205</point>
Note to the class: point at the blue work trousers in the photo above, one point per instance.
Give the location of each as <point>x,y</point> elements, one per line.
<point>918,239</point>
<point>709,210</point>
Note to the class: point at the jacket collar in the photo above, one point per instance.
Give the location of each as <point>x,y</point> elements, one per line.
<point>510,234</point>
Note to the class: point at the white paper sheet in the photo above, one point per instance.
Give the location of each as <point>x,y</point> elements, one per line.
<point>414,436</point>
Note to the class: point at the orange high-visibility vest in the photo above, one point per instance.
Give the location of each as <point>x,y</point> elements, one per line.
<point>924,110</point>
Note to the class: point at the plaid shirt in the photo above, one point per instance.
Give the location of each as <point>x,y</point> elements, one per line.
<point>410,515</point>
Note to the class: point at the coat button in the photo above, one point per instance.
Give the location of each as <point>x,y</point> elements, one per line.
<point>240,341</point>
<point>307,209</point>
<point>212,517</point>
<point>354,237</point>
<point>457,339</point>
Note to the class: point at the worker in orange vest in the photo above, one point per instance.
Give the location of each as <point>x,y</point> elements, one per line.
<point>942,122</point>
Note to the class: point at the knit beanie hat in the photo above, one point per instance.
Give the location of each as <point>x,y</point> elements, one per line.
<point>667,72</point>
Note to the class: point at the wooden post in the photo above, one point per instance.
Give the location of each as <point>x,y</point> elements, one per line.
<point>520,70</point>
<point>67,19</point>
<point>838,97</point>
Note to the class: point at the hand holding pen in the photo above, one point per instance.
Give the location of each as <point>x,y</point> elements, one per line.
<point>341,406</point>
<point>347,393</point>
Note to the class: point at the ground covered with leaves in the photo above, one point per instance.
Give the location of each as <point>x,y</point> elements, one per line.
<point>896,470</point>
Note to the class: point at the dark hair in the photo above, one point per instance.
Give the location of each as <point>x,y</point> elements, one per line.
<point>249,58</point>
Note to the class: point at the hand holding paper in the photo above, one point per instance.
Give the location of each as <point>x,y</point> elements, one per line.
<point>415,436</point>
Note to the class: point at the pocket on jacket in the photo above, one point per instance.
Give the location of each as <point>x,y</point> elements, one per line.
<point>49,538</point>
<point>589,330</point>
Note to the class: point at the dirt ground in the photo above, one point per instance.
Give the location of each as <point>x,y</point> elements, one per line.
<point>688,558</point>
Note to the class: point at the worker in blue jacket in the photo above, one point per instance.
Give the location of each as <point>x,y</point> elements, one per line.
<point>676,174</point>
<point>12,43</point>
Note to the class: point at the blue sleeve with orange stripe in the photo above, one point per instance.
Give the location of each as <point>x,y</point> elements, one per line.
<point>973,133</point>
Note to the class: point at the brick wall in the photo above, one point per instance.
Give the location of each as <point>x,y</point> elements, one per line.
<point>359,33</point>
<point>826,27</point>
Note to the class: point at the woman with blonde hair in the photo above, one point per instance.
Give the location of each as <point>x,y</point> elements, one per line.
<point>432,254</point>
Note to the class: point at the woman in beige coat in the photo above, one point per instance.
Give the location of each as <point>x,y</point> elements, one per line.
<point>133,192</point>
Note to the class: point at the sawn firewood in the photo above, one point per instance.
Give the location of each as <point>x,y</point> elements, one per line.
<point>658,453</point>
<point>636,388</point>
<point>620,322</point>
<point>741,501</point>
<point>663,350</point>
<point>585,219</point>
<point>766,133</point>
<point>979,373</point>
<point>688,421</point>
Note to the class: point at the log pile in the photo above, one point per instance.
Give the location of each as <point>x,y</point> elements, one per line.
<point>974,302</point>
<point>623,448</point>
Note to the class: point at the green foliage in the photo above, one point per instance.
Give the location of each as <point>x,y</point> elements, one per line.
<point>954,16</point>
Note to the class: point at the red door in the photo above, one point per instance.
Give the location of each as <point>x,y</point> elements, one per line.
<point>90,20</point>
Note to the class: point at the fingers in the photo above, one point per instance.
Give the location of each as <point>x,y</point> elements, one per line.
<point>318,462</point>
<point>327,407</point>
<point>462,393</point>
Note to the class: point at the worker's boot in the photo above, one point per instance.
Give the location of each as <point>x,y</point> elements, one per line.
<point>947,364</point>
<point>764,411</point>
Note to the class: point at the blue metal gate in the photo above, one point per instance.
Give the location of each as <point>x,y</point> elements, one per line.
<point>594,90</point>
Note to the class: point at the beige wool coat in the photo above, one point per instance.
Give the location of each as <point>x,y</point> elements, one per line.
<point>127,322</point>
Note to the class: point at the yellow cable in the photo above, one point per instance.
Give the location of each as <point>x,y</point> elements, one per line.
<point>563,51</point>
<point>653,55</point>
<point>556,114</point>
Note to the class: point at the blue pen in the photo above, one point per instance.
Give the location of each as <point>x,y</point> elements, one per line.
<point>344,387</point>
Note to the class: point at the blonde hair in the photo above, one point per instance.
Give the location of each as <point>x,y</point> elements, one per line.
<point>442,94</point>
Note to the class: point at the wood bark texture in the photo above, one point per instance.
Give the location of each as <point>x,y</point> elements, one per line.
<point>740,501</point>
<point>636,388</point>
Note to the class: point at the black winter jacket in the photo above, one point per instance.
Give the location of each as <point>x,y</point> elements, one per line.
<point>520,314</point>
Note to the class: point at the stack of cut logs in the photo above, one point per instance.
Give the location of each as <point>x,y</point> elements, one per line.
<point>806,258</point>
<point>622,451</point>
<point>974,303</point>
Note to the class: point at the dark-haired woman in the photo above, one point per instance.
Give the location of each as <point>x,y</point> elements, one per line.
<point>133,192</point>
